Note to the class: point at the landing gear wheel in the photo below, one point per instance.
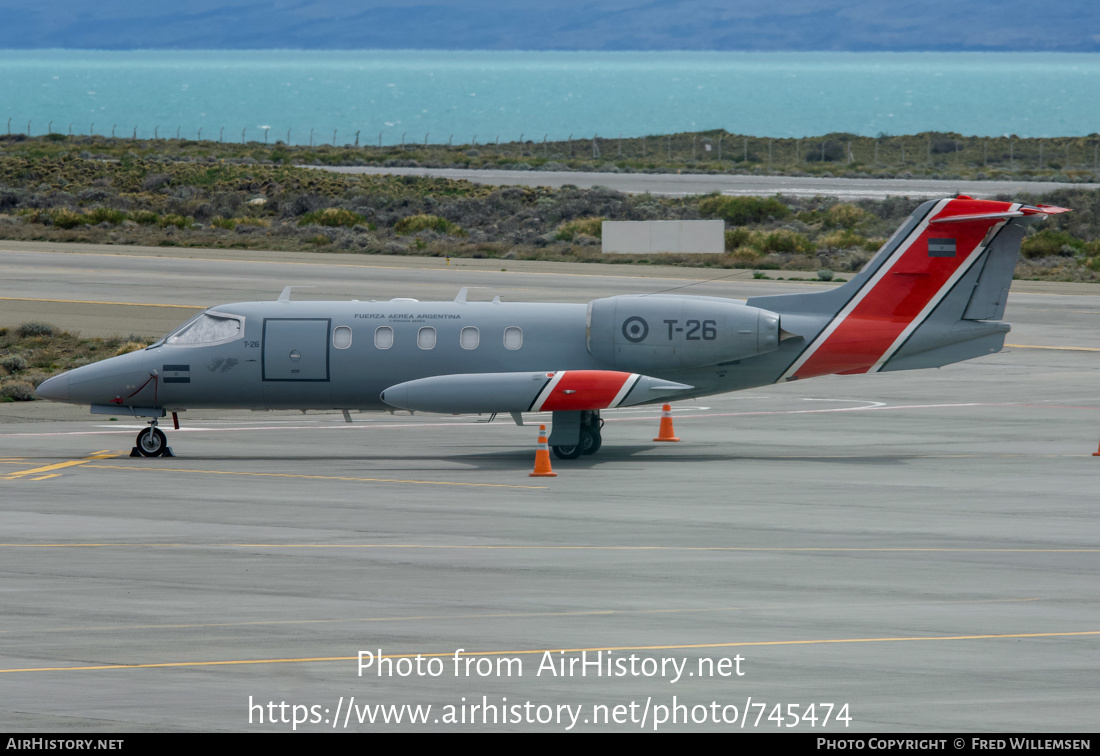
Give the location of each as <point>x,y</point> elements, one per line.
<point>591,440</point>
<point>567,452</point>
<point>152,442</point>
<point>589,443</point>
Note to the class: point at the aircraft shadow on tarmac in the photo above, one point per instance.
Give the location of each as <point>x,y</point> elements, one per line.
<point>524,458</point>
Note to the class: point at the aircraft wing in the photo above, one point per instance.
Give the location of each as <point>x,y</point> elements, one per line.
<point>550,391</point>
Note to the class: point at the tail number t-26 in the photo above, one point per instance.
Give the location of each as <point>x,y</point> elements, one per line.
<point>709,329</point>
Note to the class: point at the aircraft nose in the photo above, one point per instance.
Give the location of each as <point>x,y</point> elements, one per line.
<point>55,389</point>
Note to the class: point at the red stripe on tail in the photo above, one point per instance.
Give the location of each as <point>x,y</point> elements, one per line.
<point>918,278</point>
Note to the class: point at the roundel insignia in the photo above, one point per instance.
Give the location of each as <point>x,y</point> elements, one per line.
<point>635,329</point>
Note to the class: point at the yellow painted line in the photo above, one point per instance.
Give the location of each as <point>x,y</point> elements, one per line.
<point>313,477</point>
<point>453,617</point>
<point>96,302</point>
<point>653,548</point>
<point>47,477</point>
<point>60,465</point>
<point>1056,348</point>
<point>779,549</point>
<point>530,652</point>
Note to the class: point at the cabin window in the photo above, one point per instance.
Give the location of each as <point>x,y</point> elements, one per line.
<point>383,337</point>
<point>425,338</point>
<point>469,337</point>
<point>341,337</point>
<point>207,328</point>
<point>513,337</point>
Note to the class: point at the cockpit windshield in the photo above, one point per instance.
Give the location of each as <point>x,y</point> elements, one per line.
<point>208,328</point>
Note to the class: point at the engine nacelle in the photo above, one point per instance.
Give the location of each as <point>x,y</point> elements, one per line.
<point>653,333</point>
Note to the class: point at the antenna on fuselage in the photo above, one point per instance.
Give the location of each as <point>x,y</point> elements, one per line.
<point>460,298</point>
<point>285,296</point>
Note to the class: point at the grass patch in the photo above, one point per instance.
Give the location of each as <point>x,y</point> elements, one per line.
<point>412,224</point>
<point>332,216</point>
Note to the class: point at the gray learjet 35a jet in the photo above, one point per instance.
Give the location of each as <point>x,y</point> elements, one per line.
<point>934,294</point>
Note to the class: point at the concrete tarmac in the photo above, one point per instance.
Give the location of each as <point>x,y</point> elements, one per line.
<point>916,551</point>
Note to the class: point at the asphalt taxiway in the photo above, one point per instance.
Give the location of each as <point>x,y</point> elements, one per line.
<point>686,184</point>
<point>922,547</point>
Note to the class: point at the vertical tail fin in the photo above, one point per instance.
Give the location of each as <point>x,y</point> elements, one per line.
<point>931,296</point>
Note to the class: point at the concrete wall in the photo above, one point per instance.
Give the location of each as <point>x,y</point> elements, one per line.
<point>639,237</point>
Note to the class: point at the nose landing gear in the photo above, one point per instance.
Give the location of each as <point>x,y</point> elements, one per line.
<point>152,442</point>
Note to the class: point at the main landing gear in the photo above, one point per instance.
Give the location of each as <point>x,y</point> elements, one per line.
<point>151,442</point>
<point>590,439</point>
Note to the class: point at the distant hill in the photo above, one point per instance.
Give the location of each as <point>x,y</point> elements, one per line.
<point>854,25</point>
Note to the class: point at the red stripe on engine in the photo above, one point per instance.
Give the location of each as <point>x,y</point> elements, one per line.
<point>591,389</point>
<point>900,296</point>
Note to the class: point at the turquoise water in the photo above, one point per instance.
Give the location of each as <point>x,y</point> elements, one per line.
<point>483,95</point>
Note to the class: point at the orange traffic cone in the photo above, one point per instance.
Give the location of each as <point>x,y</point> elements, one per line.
<point>1096,453</point>
<point>666,433</point>
<point>542,458</point>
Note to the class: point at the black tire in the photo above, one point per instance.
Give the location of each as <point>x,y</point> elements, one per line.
<point>152,442</point>
<point>567,452</point>
<point>591,441</point>
<point>588,443</point>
